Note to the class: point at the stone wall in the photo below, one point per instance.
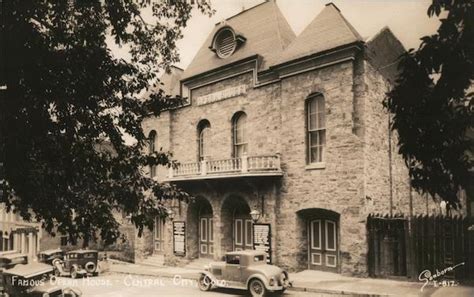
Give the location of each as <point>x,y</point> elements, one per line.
<point>338,185</point>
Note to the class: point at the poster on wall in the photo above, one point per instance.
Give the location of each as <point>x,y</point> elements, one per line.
<point>262,240</point>
<point>179,242</point>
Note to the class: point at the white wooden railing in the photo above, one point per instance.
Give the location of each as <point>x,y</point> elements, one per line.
<point>246,164</point>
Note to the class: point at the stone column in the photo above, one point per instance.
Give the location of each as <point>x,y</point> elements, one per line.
<point>23,243</point>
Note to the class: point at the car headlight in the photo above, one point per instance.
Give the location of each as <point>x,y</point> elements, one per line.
<point>45,294</point>
<point>272,282</point>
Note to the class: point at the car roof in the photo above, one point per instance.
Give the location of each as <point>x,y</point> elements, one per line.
<point>50,252</point>
<point>246,252</point>
<point>82,251</point>
<point>9,255</point>
<point>29,270</point>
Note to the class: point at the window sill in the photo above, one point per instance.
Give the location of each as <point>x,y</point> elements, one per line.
<point>319,165</point>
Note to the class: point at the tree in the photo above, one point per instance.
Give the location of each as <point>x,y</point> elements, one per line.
<point>66,95</point>
<point>432,103</point>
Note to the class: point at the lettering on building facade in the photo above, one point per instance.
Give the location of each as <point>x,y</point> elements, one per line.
<point>221,95</point>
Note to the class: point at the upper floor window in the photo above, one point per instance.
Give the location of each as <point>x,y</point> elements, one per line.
<point>239,129</point>
<point>204,135</point>
<point>152,139</point>
<point>316,128</point>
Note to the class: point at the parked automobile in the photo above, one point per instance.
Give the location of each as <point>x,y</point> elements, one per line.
<point>48,256</point>
<point>77,263</point>
<point>19,278</point>
<point>246,270</point>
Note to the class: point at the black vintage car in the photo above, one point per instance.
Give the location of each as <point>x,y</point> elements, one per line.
<point>49,256</point>
<point>77,263</point>
<point>18,278</point>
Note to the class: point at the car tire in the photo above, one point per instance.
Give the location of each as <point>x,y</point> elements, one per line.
<point>204,282</point>
<point>257,288</point>
<point>73,272</point>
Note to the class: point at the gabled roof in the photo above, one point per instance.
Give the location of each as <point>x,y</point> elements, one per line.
<point>266,32</point>
<point>328,30</point>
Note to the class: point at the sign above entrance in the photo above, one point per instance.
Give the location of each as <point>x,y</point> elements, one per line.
<point>179,241</point>
<point>262,240</point>
<point>221,95</point>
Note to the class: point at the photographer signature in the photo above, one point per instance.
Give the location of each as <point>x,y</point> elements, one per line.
<point>427,277</point>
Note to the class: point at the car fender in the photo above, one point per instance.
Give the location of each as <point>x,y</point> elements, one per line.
<point>260,277</point>
<point>214,280</point>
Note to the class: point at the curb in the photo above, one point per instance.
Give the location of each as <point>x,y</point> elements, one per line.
<point>195,276</point>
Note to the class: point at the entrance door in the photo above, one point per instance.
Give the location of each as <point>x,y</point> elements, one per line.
<point>159,234</point>
<point>323,247</point>
<point>206,237</point>
<point>243,239</point>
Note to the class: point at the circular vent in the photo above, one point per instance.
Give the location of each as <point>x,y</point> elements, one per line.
<point>225,43</point>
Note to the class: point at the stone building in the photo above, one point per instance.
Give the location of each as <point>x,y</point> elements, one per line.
<point>290,128</point>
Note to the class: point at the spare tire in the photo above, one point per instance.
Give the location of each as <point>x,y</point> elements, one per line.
<point>90,267</point>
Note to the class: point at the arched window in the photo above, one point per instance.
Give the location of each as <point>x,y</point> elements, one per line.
<point>316,128</point>
<point>239,130</point>
<point>204,136</point>
<point>152,139</point>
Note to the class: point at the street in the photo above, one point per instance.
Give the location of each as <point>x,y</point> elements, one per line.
<point>118,285</point>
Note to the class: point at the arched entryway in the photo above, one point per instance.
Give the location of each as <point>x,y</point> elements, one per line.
<point>320,237</point>
<point>201,229</point>
<point>236,225</point>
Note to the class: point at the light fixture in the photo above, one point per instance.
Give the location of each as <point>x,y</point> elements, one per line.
<point>170,213</point>
<point>255,214</point>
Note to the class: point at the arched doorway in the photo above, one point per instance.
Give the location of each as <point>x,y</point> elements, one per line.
<point>201,224</point>
<point>321,238</point>
<point>237,225</point>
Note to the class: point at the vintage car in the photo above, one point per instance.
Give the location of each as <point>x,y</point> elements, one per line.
<point>48,256</point>
<point>18,278</point>
<point>77,263</point>
<point>246,270</point>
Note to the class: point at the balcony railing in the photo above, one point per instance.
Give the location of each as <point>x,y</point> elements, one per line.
<point>268,165</point>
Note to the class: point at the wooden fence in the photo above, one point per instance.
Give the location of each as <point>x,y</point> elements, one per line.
<point>404,247</point>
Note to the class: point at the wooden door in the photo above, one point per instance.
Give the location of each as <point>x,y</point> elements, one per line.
<point>243,237</point>
<point>206,237</point>
<point>323,245</point>
<point>159,234</point>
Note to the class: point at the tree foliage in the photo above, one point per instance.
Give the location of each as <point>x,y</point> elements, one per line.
<point>68,96</point>
<point>432,103</point>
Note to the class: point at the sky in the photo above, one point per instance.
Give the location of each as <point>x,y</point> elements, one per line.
<point>406,18</point>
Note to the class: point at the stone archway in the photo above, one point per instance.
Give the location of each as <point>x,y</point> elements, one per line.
<point>319,239</point>
<point>236,224</point>
<point>200,230</point>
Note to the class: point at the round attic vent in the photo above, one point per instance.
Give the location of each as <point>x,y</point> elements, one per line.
<point>225,43</point>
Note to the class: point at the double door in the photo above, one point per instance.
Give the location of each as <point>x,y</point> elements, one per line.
<point>323,245</point>
<point>206,237</point>
<point>243,237</point>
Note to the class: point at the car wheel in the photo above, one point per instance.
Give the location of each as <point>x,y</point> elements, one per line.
<point>204,282</point>
<point>257,288</point>
<point>73,272</point>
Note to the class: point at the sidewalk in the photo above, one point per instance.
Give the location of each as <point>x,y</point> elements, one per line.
<point>316,281</point>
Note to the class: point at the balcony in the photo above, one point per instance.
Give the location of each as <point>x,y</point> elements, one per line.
<point>247,166</point>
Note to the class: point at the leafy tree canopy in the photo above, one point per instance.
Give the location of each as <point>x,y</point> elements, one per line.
<point>67,95</point>
<point>432,103</point>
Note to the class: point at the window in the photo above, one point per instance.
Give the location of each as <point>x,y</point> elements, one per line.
<point>204,135</point>
<point>233,259</point>
<point>151,149</point>
<point>64,240</point>
<point>316,128</point>
<point>239,134</point>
